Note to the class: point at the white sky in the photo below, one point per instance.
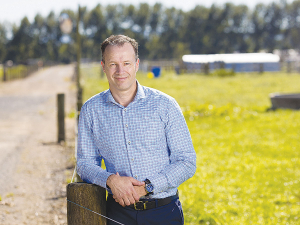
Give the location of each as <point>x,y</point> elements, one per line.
<point>14,10</point>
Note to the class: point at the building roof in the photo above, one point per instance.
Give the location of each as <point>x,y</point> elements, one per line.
<point>232,58</point>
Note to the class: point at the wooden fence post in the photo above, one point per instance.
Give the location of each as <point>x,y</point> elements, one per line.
<point>261,68</point>
<point>90,196</point>
<point>4,72</point>
<point>289,67</point>
<point>27,72</point>
<point>206,68</point>
<point>60,117</point>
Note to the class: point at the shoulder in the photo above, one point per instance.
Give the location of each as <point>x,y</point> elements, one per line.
<point>164,100</point>
<point>95,102</point>
<point>154,94</point>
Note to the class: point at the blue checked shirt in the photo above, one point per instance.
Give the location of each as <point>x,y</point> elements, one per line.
<point>147,139</point>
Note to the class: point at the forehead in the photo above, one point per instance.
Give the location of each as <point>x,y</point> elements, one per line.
<point>122,52</point>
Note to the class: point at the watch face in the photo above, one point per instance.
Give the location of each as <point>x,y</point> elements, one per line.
<point>149,188</point>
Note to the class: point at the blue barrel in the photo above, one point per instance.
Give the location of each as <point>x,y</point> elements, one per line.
<point>156,71</point>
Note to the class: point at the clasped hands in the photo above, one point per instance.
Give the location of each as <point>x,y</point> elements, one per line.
<point>126,190</point>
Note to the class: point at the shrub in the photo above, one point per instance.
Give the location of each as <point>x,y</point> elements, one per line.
<point>223,73</point>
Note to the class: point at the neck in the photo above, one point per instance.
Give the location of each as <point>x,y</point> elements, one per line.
<point>124,97</point>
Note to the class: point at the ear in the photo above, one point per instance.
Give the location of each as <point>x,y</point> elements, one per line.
<point>102,64</point>
<point>137,65</point>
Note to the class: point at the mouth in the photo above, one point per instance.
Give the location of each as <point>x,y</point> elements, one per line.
<point>120,78</point>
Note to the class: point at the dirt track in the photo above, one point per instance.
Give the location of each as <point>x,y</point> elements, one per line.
<point>33,168</point>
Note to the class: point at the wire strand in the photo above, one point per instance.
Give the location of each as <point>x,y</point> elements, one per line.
<point>95,212</point>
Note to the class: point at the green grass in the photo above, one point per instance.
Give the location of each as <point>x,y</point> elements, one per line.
<point>1,72</point>
<point>13,72</point>
<point>248,158</point>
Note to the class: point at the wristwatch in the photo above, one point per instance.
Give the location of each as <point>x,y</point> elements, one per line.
<point>148,187</point>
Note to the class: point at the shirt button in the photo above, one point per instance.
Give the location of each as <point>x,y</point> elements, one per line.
<point>129,142</point>
<point>125,109</point>
<point>132,159</point>
<point>136,176</point>
<point>126,125</point>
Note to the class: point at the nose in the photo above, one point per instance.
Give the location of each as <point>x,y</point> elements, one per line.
<point>120,69</point>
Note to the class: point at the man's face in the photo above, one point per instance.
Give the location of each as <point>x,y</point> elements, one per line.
<point>120,67</point>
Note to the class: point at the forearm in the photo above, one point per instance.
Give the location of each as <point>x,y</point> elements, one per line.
<point>92,173</point>
<point>173,175</point>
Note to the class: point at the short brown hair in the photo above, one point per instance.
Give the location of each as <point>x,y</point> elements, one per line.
<point>119,40</point>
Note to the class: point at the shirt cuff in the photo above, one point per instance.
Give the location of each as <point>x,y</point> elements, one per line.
<point>159,182</point>
<point>102,182</point>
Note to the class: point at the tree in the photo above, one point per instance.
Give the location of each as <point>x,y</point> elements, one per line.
<point>3,40</point>
<point>155,18</point>
<point>162,33</point>
<point>194,29</point>
<point>95,31</point>
<point>291,26</point>
<point>20,48</point>
<point>273,23</point>
<point>52,36</point>
<point>236,26</point>
<point>258,26</point>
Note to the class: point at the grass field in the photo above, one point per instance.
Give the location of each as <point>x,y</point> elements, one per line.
<point>1,71</point>
<point>248,158</point>
<point>13,72</point>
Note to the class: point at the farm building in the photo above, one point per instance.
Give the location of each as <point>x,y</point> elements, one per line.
<point>239,62</point>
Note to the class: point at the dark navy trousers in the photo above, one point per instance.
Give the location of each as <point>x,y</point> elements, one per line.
<point>170,214</point>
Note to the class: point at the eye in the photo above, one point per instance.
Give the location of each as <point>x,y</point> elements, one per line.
<point>127,63</point>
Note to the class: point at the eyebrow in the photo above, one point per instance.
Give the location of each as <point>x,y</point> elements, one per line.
<point>127,60</point>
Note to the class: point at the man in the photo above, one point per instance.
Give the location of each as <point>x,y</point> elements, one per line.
<point>141,135</point>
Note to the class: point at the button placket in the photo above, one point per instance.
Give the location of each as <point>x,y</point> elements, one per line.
<point>126,125</point>
<point>128,141</point>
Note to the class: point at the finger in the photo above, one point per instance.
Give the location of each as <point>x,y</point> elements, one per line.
<point>121,202</point>
<point>136,182</point>
<point>128,201</point>
<point>135,196</point>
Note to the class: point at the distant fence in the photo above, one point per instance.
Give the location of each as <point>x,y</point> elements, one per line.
<point>169,65</point>
<point>290,66</point>
<point>179,67</point>
<point>145,65</point>
<point>285,67</point>
<point>17,72</point>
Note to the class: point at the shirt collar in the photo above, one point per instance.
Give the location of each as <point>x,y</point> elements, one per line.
<point>140,94</point>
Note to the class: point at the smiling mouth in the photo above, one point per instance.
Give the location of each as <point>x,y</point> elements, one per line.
<point>120,78</point>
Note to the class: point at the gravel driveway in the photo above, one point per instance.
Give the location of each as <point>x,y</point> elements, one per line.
<point>33,168</point>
